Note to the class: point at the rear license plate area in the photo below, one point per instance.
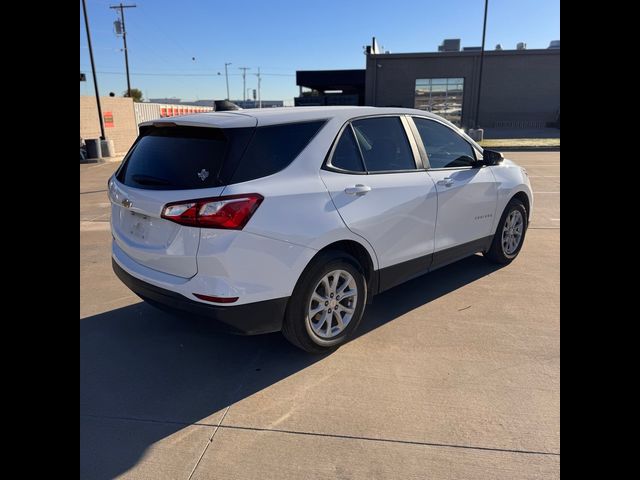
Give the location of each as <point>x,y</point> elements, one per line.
<point>138,226</point>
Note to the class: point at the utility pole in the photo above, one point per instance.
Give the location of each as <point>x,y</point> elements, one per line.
<point>93,71</point>
<point>226,75</point>
<point>121,7</point>
<point>259,97</point>
<point>484,31</point>
<point>244,82</point>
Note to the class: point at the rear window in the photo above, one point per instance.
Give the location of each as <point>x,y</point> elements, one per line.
<point>177,157</point>
<point>273,148</point>
<point>180,157</point>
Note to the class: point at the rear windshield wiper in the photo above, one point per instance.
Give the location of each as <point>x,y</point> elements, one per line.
<point>149,180</point>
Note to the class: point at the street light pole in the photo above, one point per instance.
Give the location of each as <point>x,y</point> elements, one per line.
<point>484,31</point>
<point>93,71</point>
<point>259,97</point>
<point>226,76</point>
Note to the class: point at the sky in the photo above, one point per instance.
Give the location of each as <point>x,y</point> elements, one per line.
<point>178,47</point>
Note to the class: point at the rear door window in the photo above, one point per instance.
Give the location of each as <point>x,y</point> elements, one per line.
<point>274,147</point>
<point>384,144</point>
<point>178,157</point>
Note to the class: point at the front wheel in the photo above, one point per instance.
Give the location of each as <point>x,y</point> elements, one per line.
<point>327,303</point>
<point>510,233</point>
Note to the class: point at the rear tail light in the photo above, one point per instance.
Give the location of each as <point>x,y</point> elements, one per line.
<point>229,212</point>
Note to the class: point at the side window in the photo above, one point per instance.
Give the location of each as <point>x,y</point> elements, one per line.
<point>384,144</point>
<point>273,148</point>
<point>346,155</point>
<point>445,148</point>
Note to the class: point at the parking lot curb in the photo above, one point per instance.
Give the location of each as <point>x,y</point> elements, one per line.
<point>526,149</point>
<point>117,158</point>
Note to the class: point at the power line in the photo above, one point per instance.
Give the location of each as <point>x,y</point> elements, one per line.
<point>143,40</point>
<point>164,33</point>
<point>169,74</point>
<point>189,74</point>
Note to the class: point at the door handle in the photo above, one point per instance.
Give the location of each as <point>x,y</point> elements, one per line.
<point>446,181</point>
<point>359,189</point>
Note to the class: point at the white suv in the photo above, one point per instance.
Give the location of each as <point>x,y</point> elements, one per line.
<point>293,218</point>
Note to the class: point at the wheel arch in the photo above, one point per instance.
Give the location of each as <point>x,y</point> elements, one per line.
<point>361,254</point>
<point>524,198</point>
<point>522,193</point>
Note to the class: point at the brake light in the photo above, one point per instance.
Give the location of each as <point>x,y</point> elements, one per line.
<point>229,212</point>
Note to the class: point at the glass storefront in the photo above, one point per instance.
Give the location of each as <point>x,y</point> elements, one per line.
<point>442,96</point>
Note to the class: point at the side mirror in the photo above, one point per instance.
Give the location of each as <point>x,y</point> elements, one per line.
<point>491,157</point>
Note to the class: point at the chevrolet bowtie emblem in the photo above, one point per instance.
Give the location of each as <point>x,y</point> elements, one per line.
<point>203,174</point>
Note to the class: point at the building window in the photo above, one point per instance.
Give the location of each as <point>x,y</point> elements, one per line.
<point>442,96</point>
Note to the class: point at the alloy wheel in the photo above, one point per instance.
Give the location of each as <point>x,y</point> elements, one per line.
<point>512,232</point>
<point>332,304</point>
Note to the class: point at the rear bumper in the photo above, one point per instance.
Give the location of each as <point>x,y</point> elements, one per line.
<point>247,319</point>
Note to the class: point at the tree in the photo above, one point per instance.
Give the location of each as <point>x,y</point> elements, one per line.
<point>136,94</point>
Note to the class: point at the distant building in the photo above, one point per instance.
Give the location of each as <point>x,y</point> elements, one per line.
<point>330,87</point>
<point>202,103</point>
<point>255,103</point>
<point>520,88</point>
<point>170,101</point>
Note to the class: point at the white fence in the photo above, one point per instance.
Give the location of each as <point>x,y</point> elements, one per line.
<point>152,111</point>
<point>520,124</point>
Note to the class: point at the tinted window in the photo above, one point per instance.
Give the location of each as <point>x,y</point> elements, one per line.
<point>273,148</point>
<point>384,144</point>
<point>445,148</point>
<point>346,155</point>
<point>176,157</point>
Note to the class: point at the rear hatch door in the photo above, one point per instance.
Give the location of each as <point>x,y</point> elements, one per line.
<point>170,162</point>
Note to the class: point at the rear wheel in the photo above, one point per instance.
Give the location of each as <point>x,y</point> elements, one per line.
<point>327,303</point>
<point>510,233</point>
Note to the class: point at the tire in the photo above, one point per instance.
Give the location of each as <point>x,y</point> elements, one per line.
<point>502,251</point>
<point>314,333</point>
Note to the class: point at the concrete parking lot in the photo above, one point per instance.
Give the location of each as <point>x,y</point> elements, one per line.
<point>454,375</point>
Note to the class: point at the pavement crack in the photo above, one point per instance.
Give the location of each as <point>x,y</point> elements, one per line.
<point>215,430</point>
<point>219,425</point>
<point>93,191</point>
<point>250,367</point>
<point>390,440</point>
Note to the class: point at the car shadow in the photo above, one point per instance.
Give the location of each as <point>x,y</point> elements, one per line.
<point>146,374</point>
